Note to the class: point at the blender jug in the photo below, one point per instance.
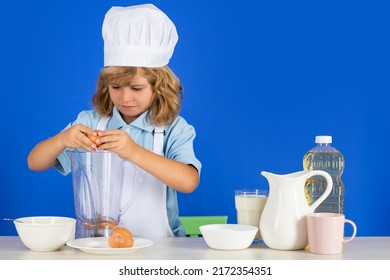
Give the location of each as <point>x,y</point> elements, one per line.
<point>97,179</point>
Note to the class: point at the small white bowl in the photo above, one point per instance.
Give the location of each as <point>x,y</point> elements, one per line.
<point>45,233</point>
<point>228,236</point>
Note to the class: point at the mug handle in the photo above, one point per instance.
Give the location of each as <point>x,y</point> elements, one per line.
<point>329,186</point>
<point>345,240</point>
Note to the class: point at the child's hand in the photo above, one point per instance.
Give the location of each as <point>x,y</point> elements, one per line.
<point>117,141</point>
<point>76,137</point>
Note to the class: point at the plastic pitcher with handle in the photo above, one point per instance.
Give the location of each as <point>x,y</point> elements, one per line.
<point>97,179</point>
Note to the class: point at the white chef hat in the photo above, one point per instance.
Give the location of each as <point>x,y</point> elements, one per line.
<point>140,35</point>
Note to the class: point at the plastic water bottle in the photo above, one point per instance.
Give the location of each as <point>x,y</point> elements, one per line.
<point>327,158</point>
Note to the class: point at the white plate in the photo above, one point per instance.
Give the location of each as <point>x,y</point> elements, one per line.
<point>99,246</point>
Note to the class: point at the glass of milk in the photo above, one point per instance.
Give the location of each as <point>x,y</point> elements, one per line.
<point>249,205</point>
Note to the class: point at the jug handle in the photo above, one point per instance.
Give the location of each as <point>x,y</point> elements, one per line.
<point>329,186</point>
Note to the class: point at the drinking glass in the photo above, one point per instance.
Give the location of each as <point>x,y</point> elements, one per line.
<point>249,205</point>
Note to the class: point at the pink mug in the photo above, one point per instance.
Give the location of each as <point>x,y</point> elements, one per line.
<point>326,232</point>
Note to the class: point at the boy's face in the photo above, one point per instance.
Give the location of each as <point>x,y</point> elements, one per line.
<point>132,100</point>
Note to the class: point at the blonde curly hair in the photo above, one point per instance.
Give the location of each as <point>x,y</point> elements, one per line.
<point>167,91</point>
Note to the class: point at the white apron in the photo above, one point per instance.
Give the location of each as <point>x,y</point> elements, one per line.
<point>144,197</point>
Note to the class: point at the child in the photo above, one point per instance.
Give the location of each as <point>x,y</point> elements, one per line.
<point>136,106</point>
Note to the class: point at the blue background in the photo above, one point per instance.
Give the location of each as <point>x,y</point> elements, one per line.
<point>261,79</point>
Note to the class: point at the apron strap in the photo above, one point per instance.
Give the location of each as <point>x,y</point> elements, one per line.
<point>102,124</point>
<point>158,143</point>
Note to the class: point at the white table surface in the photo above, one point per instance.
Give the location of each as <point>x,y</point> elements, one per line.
<point>186,248</point>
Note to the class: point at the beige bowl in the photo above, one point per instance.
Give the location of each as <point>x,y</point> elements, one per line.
<point>45,233</point>
<point>228,236</point>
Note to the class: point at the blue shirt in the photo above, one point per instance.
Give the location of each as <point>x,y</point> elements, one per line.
<point>178,145</point>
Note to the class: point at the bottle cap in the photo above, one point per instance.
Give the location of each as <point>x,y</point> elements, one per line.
<point>323,139</point>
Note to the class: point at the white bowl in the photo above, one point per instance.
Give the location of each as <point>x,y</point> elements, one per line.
<point>45,233</point>
<point>228,236</point>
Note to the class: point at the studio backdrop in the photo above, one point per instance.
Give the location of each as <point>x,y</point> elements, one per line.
<point>261,79</point>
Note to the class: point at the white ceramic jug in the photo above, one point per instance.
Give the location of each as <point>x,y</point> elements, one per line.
<point>283,222</point>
